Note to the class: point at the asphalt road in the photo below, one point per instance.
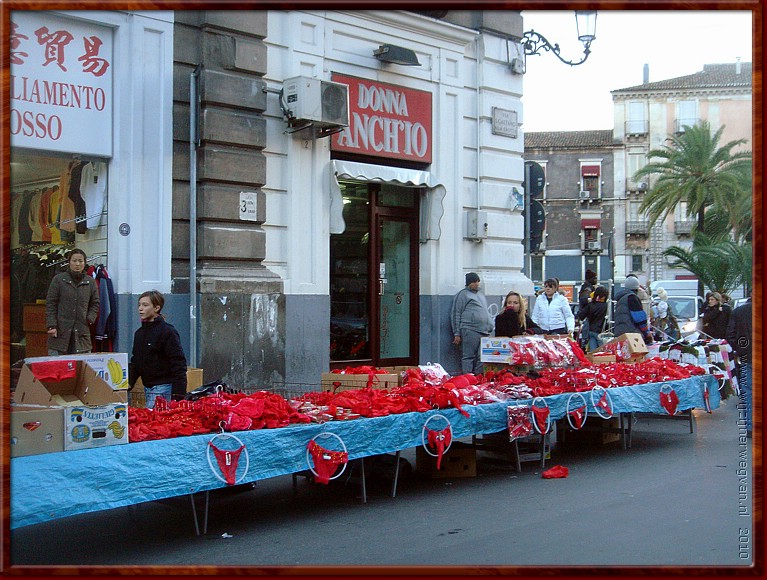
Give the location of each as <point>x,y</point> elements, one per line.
<point>673,499</point>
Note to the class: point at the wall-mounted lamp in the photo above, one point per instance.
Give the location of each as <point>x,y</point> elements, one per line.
<point>586,28</point>
<point>396,55</point>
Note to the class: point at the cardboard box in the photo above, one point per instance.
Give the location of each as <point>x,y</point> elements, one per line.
<point>36,430</point>
<point>335,382</point>
<point>193,380</point>
<point>630,344</point>
<point>90,412</point>
<point>110,366</point>
<point>495,350</point>
<point>399,371</point>
<point>602,360</point>
<point>459,461</point>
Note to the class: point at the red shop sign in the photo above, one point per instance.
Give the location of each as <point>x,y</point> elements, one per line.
<point>385,121</point>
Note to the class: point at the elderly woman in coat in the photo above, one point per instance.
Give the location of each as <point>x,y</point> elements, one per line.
<point>71,306</point>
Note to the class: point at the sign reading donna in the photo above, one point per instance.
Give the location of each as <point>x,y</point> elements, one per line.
<point>60,84</point>
<point>385,121</point>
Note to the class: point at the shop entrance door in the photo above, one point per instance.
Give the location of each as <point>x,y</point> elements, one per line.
<point>374,277</point>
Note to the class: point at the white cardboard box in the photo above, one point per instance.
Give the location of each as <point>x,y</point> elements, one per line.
<point>112,367</point>
<point>495,350</point>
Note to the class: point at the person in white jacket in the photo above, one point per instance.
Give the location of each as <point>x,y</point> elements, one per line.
<point>552,311</point>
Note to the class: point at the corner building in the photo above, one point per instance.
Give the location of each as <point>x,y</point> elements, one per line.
<point>312,245</point>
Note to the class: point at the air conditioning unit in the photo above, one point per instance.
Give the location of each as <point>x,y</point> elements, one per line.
<point>593,246</point>
<point>584,194</point>
<point>323,103</point>
<point>517,66</point>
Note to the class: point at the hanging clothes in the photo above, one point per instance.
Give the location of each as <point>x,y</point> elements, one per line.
<point>67,214</point>
<point>104,330</point>
<point>25,231</point>
<point>55,214</point>
<point>93,189</point>
<point>74,194</point>
<point>33,217</point>
<point>44,215</point>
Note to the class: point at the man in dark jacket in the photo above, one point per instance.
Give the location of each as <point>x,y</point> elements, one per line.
<point>629,314</point>
<point>740,338</point>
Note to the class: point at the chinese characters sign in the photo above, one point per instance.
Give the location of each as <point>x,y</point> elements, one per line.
<point>61,84</point>
<point>385,121</point>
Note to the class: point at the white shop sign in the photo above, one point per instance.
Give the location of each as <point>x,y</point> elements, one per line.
<point>61,84</point>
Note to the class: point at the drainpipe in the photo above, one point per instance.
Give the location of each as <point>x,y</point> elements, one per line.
<point>479,114</point>
<point>194,141</point>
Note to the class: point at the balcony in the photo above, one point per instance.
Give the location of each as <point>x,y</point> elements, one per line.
<point>683,228</point>
<point>637,227</point>
<point>637,127</point>
<point>680,123</point>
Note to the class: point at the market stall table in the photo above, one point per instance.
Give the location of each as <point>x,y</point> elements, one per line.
<point>56,485</point>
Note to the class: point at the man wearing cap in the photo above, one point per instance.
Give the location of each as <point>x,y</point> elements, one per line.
<point>470,321</point>
<point>589,284</point>
<point>629,314</point>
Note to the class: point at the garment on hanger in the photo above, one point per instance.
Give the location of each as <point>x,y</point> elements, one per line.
<point>93,189</point>
<point>33,217</point>
<point>74,194</point>
<point>67,214</point>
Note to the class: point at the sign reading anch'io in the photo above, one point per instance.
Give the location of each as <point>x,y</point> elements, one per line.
<point>386,120</point>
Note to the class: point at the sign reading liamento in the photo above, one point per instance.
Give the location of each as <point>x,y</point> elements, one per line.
<point>385,121</point>
<point>60,84</point>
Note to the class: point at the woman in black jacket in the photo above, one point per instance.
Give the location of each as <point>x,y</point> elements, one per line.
<point>596,312</point>
<point>716,316</point>
<point>157,354</point>
<point>514,319</point>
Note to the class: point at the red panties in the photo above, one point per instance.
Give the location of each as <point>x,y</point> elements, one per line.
<point>325,462</point>
<point>439,440</point>
<point>669,401</point>
<point>604,404</point>
<point>577,415</point>
<point>227,461</point>
<point>541,415</point>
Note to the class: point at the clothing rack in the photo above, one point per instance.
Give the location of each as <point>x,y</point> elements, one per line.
<point>77,220</point>
<point>93,257</point>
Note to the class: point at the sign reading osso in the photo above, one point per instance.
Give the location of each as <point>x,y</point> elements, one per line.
<point>60,84</point>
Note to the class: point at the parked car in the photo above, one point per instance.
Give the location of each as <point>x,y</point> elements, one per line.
<point>687,310</point>
<point>738,302</point>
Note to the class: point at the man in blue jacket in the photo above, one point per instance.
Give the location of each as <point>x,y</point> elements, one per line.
<point>470,321</point>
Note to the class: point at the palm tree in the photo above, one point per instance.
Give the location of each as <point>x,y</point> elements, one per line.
<point>721,265</point>
<point>693,168</point>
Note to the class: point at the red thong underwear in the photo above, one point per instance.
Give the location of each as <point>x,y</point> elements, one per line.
<point>541,415</point>
<point>325,462</point>
<point>54,370</point>
<point>604,404</point>
<point>577,415</point>
<point>227,461</point>
<point>669,401</point>
<point>439,440</point>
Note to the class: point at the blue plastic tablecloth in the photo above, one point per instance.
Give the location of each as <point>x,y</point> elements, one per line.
<point>55,485</point>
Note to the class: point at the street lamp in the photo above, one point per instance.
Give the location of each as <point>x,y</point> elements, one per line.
<point>586,28</point>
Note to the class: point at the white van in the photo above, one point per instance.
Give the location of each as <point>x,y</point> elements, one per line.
<point>676,287</point>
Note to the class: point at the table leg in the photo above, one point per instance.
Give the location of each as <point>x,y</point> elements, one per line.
<point>364,488</point>
<point>396,474</point>
<point>194,514</point>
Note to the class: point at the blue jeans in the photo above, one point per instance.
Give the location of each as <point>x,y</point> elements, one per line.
<point>593,341</point>
<point>744,382</point>
<point>151,393</point>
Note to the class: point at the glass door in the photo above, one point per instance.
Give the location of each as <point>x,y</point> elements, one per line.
<point>374,277</point>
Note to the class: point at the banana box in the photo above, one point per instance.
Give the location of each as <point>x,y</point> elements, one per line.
<point>112,367</point>
<point>71,393</point>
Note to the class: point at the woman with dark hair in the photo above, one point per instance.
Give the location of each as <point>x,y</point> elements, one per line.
<point>71,306</point>
<point>157,354</point>
<point>595,312</point>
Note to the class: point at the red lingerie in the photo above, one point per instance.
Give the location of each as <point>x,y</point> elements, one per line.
<point>439,440</point>
<point>227,461</point>
<point>577,416</point>
<point>604,404</point>
<point>541,415</point>
<point>54,370</point>
<point>325,462</point>
<point>669,401</point>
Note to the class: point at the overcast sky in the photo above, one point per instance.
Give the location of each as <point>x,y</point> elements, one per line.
<point>558,97</point>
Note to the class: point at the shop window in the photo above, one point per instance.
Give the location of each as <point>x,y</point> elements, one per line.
<point>58,202</point>
<point>637,263</point>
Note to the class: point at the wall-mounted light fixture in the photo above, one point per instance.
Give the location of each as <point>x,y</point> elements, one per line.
<point>396,55</point>
<point>586,28</point>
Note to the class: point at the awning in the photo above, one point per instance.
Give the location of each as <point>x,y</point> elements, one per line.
<point>590,223</point>
<point>431,203</point>
<point>590,170</point>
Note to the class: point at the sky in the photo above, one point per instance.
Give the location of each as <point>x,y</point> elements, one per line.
<point>558,97</point>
